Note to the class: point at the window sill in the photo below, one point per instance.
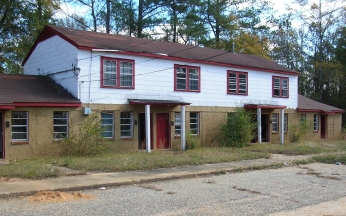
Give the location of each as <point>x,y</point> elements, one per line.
<point>126,139</point>
<point>186,91</point>
<point>278,97</point>
<point>115,87</point>
<point>237,94</point>
<point>316,131</point>
<point>20,142</point>
<point>274,132</point>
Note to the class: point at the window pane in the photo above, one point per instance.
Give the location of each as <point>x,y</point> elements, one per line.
<point>316,124</point>
<point>60,121</point>
<point>285,122</point>
<point>284,88</point>
<point>19,125</point>
<point>194,123</point>
<point>193,79</point>
<point>19,115</point>
<point>60,129</point>
<point>109,73</point>
<point>181,78</point>
<point>60,135</point>
<point>19,136</point>
<point>275,122</point>
<point>19,129</point>
<point>126,74</point>
<point>60,124</point>
<point>107,127</point>
<point>232,82</point>
<point>125,124</point>
<point>18,122</point>
<point>60,114</point>
<point>277,86</point>
<point>177,123</point>
<point>242,84</point>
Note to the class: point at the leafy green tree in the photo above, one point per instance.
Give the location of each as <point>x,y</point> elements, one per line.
<point>21,22</point>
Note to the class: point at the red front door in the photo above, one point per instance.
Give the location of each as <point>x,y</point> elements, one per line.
<point>162,131</point>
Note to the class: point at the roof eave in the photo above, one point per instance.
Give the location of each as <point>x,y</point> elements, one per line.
<point>47,104</point>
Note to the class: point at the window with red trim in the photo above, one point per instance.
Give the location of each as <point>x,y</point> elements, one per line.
<point>237,82</point>
<point>280,87</point>
<point>187,78</point>
<point>117,73</point>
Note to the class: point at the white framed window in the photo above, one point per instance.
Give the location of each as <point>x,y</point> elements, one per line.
<point>187,78</point>
<point>194,123</point>
<point>107,125</point>
<point>19,126</point>
<point>126,128</point>
<point>275,122</point>
<point>280,87</point>
<point>177,124</point>
<point>285,122</point>
<point>316,122</point>
<point>237,82</point>
<point>302,119</point>
<point>117,73</point>
<point>60,125</point>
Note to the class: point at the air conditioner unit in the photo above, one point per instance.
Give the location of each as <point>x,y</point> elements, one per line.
<point>86,110</point>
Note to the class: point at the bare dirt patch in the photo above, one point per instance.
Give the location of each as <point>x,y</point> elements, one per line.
<point>5,179</point>
<point>57,196</point>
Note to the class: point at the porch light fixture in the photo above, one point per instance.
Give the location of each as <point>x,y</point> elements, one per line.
<point>7,123</point>
<point>172,123</point>
<point>135,121</point>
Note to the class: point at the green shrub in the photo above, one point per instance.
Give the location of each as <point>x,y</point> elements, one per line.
<point>238,130</point>
<point>191,140</point>
<point>87,141</point>
<point>297,131</point>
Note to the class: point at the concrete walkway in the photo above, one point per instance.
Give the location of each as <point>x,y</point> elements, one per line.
<point>97,180</point>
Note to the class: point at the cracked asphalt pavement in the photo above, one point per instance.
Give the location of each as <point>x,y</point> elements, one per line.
<point>314,189</point>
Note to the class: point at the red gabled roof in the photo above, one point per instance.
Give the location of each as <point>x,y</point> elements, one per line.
<point>29,90</point>
<point>88,40</point>
<point>307,105</point>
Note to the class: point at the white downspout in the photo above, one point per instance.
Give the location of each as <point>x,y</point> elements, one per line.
<point>147,127</point>
<point>282,124</point>
<point>259,126</point>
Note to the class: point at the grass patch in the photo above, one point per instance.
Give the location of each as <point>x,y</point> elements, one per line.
<point>330,158</point>
<point>46,167</point>
<point>29,169</point>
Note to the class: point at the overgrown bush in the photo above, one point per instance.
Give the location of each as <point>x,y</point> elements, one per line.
<point>88,140</point>
<point>238,130</point>
<point>299,130</point>
<point>191,140</point>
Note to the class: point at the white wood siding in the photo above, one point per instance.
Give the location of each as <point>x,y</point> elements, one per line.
<point>51,56</point>
<point>154,79</point>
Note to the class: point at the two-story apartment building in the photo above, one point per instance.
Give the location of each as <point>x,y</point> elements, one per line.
<point>148,93</point>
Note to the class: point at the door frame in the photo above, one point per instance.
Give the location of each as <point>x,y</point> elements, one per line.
<point>323,127</point>
<point>141,126</point>
<point>2,136</point>
<point>266,131</point>
<point>168,134</point>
